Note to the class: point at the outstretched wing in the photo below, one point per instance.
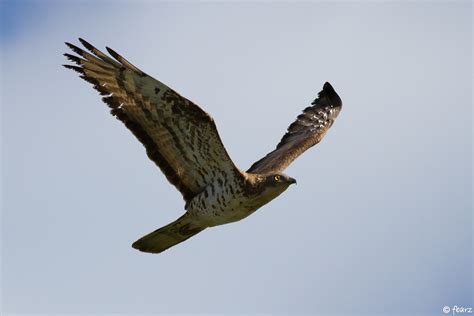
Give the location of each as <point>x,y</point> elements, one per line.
<point>308,130</point>
<point>178,135</point>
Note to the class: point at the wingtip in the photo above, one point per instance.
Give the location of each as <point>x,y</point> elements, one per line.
<point>86,44</point>
<point>329,92</point>
<point>327,87</point>
<point>113,53</point>
<point>73,58</point>
<point>71,46</point>
<point>75,68</point>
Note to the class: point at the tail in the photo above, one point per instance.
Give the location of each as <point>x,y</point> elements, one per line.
<point>168,236</point>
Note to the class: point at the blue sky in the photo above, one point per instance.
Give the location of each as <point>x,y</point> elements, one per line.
<point>20,16</point>
<point>379,223</point>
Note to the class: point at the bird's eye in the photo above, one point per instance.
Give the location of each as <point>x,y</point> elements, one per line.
<point>277,178</point>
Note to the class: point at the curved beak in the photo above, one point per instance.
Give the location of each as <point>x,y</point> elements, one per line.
<point>292,181</point>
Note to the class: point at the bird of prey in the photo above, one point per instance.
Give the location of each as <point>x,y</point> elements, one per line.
<point>182,140</point>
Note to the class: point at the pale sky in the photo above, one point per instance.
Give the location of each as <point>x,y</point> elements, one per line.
<point>380,221</point>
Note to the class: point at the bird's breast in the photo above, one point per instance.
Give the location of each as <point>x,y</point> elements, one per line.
<point>218,205</point>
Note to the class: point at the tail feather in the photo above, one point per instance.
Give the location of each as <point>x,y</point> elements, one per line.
<point>168,236</point>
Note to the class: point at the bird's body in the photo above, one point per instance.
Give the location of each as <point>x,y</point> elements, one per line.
<point>221,204</point>
<point>232,201</point>
<point>184,143</point>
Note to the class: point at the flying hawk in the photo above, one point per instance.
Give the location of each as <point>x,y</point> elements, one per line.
<point>182,140</point>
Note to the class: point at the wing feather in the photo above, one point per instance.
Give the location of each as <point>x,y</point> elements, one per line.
<point>308,130</point>
<point>179,136</point>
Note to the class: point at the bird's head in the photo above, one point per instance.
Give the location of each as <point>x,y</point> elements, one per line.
<point>278,180</point>
<point>269,186</point>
